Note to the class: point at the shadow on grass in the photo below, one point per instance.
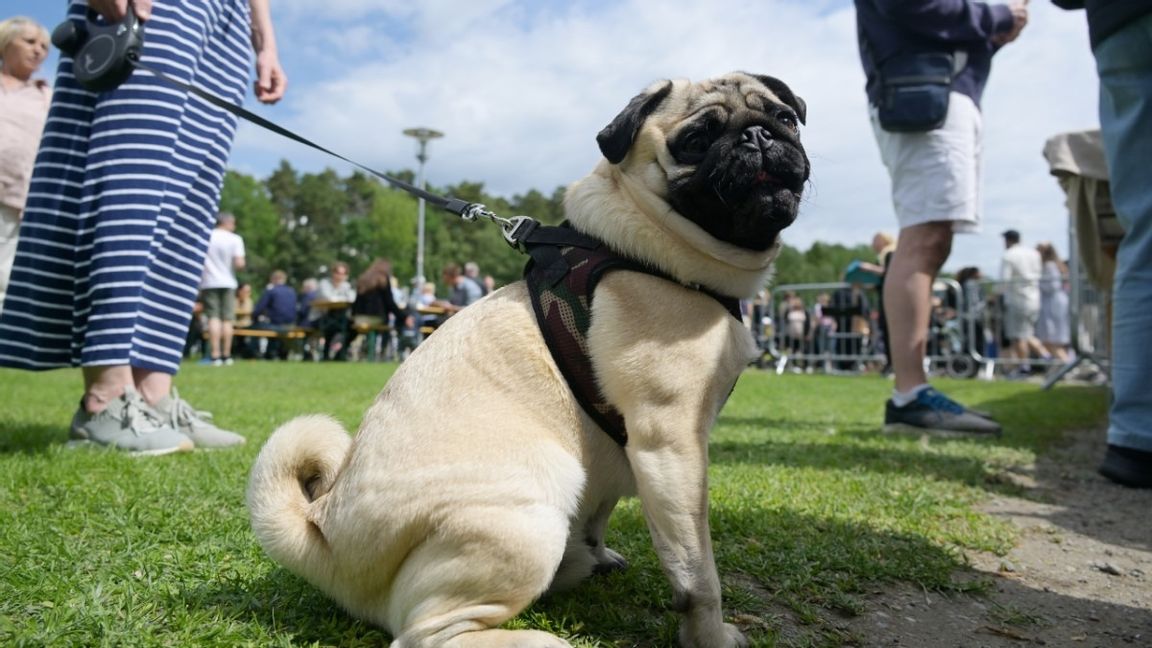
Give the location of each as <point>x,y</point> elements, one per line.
<point>798,454</point>
<point>286,608</point>
<point>1033,420</point>
<point>23,438</point>
<point>814,570</point>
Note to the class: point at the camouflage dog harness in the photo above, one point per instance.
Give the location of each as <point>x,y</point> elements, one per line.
<point>562,276</point>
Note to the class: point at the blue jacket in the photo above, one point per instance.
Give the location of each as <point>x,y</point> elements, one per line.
<point>1106,17</point>
<point>278,304</point>
<point>889,27</point>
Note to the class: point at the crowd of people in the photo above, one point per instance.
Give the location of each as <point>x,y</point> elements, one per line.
<point>100,246</point>
<point>1019,322</point>
<point>328,317</point>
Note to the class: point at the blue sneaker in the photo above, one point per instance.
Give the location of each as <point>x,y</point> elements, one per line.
<point>935,413</point>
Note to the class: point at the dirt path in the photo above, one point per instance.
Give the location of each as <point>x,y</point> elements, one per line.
<point>1080,577</point>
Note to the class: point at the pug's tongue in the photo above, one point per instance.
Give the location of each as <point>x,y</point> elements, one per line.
<point>763,177</point>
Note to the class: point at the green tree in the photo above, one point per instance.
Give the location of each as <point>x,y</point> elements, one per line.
<point>386,229</point>
<point>303,222</point>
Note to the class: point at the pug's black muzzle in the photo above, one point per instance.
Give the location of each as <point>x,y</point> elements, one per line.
<point>747,189</point>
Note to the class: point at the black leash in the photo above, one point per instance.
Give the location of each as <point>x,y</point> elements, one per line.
<point>515,229</point>
<point>110,52</point>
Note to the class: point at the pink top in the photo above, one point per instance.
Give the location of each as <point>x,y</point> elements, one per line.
<point>22,114</point>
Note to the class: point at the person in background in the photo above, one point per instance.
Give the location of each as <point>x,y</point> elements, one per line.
<point>244,307</point>
<point>936,183</point>
<point>375,299</point>
<point>1053,328</point>
<point>276,311</point>
<point>334,324</point>
<point>122,317</point>
<point>427,299</point>
<point>218,286</point>
<point>462,290</point>
<point>24,104</point>
<point>1121,35</point>
<point>825,326</point>
<point>194,343</point>
<point>1020,277</point>
<point>884,245</point>
<point>971,308</point>
<point>308,290</point>
<point>472,272</point>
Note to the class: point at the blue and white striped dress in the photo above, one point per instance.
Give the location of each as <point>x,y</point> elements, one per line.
<point>123,199</point>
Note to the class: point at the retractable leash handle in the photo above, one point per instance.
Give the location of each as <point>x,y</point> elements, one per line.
<point>102,52</point>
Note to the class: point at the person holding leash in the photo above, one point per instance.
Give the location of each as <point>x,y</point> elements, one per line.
<point>122,202</point>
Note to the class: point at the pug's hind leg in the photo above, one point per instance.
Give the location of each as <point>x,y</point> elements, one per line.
<point>586,554</point>
<point>607,560</point>
<point>486,565</point>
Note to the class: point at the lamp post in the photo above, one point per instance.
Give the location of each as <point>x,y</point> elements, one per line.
<point>422,135</point>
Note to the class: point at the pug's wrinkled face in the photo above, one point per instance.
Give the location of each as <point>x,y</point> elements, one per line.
<point>733,161</point>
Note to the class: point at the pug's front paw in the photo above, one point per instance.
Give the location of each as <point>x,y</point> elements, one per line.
<point>725,636</point>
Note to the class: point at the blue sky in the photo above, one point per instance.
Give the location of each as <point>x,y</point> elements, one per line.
<point>521,87</point>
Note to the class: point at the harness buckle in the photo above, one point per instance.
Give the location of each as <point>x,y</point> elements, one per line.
<point>517,229</point>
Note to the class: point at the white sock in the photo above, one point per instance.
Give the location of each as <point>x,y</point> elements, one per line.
<point>900,399</point>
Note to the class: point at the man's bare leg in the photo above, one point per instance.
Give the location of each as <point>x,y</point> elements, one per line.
<point>920,253</point>
<point>215,333</point>
<point>226,328</point>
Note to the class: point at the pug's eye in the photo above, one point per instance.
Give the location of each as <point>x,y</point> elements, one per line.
<point>692,147</point>
<point>789,120</point>
<point>695,143</point>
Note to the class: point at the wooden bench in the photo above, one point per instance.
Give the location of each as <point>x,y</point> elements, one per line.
<point>372,333</point>
<point>293,337</point>
<point>295,333</point>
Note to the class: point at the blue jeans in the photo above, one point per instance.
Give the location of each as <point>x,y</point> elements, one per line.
<point>1124,63</point>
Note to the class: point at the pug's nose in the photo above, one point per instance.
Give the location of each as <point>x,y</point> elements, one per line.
<point>757,138</point>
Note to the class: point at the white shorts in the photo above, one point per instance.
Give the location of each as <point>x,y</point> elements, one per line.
<point>936,176</point>
<point>1020,321</point>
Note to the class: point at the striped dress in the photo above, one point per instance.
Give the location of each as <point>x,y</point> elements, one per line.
<point>123,199</point>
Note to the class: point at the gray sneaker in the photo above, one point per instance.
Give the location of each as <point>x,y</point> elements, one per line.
<point>128,424</point>
<point>195,424</point>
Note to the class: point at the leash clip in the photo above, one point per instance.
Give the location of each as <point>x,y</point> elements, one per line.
<point>515,229</point>
<point>473,211</point>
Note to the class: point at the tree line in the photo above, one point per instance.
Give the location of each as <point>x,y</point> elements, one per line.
<point>302,222</point>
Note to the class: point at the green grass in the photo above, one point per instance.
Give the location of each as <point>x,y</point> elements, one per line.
<point>812,508</point>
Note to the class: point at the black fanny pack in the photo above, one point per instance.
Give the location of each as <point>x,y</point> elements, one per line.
<point>914,91</point>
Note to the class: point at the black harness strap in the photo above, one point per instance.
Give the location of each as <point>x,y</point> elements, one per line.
<point>562,275</point>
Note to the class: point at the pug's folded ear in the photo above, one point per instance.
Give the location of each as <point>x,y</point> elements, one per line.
<point>616,138</point>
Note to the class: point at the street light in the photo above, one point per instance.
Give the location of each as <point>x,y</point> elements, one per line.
<point>422,135</point>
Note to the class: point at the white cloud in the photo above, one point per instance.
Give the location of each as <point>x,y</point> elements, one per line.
<point>521,88</point>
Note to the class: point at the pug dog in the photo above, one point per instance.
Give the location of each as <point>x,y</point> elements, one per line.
<point>476,483</point>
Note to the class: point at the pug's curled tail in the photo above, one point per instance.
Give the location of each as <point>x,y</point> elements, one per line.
<point>295,469</point>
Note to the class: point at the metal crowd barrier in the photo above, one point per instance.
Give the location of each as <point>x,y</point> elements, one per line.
<point>835,328</point>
